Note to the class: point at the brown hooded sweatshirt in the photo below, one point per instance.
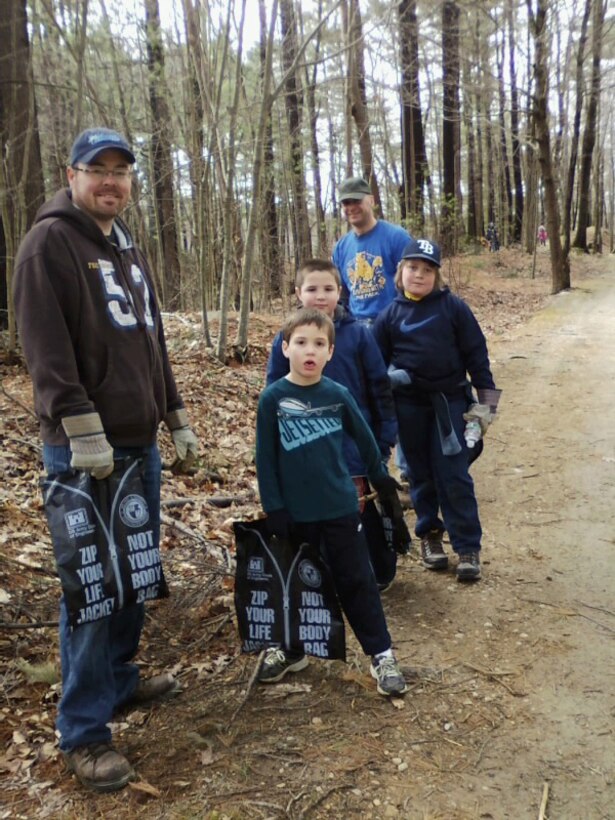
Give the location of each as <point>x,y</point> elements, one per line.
<point>90,327</point>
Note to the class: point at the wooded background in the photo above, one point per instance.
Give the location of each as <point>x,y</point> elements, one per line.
<point>246,115</point>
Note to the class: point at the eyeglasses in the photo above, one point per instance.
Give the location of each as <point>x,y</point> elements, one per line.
<point>102,173</point>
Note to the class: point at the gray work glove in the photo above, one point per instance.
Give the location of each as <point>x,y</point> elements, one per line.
<point>480,413</point>
<point>484,411</point>
<point>184,440</point>
<point>91,452</point>
<point>398,377</point>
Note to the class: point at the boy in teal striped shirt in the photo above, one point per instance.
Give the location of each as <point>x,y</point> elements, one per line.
<point>308,493</point>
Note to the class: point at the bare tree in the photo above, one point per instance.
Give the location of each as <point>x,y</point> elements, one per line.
<point>161,157</point>
<point>414,156</point>
<point>560,265</point>
<point>451,126</point>
<point>358,98</point>
<point>21,176</point>
<point>589,134</point>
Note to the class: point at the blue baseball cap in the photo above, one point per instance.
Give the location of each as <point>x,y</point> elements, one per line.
<point>93,141</point>
<point>423,249</point>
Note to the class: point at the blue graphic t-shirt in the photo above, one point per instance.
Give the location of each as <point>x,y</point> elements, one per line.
<point>299,450</point>
<point>367,265</point>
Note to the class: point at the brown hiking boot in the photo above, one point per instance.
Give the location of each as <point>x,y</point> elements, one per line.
<point>432,551</point>
<point>159,687</point>
<point>100,767</point>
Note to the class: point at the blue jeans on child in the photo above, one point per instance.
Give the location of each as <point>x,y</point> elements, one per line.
<point>439,483</point>
<point>97,673</point>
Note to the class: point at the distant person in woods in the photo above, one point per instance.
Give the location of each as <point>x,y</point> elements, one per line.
<point>542,235</point>
<point>433,341</point>
<point>493,238</point>
<point>93,340</point>
<point>308,493</point>
<point>367,255</point>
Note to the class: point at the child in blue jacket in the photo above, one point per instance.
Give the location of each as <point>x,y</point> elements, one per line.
<point>433,341</point>
<point>358,365</point>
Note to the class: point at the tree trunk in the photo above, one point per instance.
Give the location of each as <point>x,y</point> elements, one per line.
<point>358,100</point>
<point>21,180</point>
<point>560,265</point>
<point>414,156</point>
<point>517,215</point>
<point>589,134</point>
<point>451,117</point>
<point>293,103</point>
<point>161,157</point>
<point>576,130</point>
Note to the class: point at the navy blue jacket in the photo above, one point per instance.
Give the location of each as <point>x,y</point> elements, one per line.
<point>437,340</point>
<point>357,364</point>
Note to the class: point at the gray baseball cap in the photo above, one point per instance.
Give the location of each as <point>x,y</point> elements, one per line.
<point>354,188</point>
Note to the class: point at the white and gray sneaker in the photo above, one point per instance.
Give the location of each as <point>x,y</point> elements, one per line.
<point>277,663</point>
<point>388,675</point>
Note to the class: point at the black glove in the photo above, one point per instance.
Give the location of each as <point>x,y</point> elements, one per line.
<point>395,527</point>
<point>279,523</point>
<point>386,487</point>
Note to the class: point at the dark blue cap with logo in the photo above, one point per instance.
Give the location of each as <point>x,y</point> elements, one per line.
<point>93,141</point>
<point>423,249</point>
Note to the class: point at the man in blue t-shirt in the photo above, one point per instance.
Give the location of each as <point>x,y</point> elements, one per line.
<point>367,256</point>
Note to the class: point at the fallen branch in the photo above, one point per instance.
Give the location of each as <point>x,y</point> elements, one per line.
<point>19,403</point>
<point>597,608</point>
<point>32,567</point>
<point>251,683</point>
<point>220,553</point>
<point>572,612</point>
<point>220,501</point>
<point>34,625</point>
<point>308,809</point>
<point>495,676</point>
<point>544,801</point>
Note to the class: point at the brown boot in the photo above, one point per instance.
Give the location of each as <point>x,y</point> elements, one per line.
<point>159,687</point>
<point>432,551</point>
<point>100,767</point>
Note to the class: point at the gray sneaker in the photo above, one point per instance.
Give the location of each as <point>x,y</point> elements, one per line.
<point>468,568</point>
<point>100,767</point>
<point>432,551</point>
<point>388,675</point>
<point>277,663</point>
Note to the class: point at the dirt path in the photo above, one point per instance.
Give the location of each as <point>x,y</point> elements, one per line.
<point>512,678</point>
<point>547,492</point>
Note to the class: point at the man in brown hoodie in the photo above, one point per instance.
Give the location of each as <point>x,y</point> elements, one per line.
<point>93,340</point>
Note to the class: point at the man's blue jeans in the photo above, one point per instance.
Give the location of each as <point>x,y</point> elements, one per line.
<point>97,673</point>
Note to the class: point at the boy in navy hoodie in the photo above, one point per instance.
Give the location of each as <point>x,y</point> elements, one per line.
<point>309,495</point>
<point>432,339</point>
<point>357,364</point>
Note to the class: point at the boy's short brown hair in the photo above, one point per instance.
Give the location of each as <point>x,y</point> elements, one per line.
<point>308,316</point>
<point>314,265</point>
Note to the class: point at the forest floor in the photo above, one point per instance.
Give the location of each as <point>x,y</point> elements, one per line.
<point>511,706</point>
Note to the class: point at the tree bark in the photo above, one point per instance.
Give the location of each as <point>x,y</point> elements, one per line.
<point>589,134</point>
<point>358,100</point>
<point>414,156</point>
<point>161,157</point>
<point>22,188</point>
<point>560,265</point>
<point>451,128</point>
